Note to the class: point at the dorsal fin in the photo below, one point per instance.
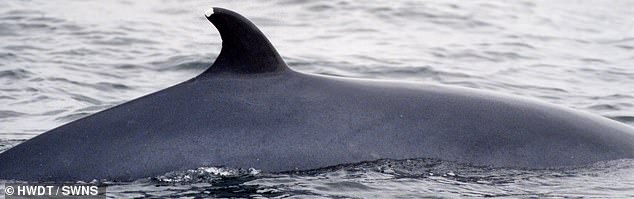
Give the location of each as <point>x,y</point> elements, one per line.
<point>245,49</point>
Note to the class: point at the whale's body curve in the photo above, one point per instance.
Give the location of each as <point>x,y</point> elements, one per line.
<point>250,111</point>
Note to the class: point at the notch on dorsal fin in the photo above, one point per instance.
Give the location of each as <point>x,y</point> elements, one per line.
<point>245,49</point>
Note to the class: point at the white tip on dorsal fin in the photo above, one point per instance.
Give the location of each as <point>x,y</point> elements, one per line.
<point>209,12</point>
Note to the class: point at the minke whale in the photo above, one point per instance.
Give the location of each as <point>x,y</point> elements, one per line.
<point>250,110</point>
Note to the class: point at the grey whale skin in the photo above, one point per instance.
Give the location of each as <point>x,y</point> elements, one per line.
<point>249,110</point>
